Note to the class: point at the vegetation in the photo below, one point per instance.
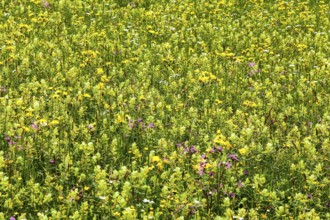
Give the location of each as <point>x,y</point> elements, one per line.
<point>165,109</point>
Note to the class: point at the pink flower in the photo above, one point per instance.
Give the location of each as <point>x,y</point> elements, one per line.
<point>45,4</point>
<point>233,157</point>
<point>34,126</point>
<point>228,165</point>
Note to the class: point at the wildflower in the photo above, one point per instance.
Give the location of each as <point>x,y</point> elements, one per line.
<point>228,165</point>
<point>45,4</point>
<point>252,64</point>
<point>242,151</point>
<point>131,123</point>
<point>246,172</point>
<point>233,157</point>
<point>211,173</point>
<point>179,145</point>
<point>309,196</point>
<point>151,125</point>
<point>240,184</point>
<point>11,142</point>
<point>34,126</point>
<point>52,161</point>
<point>193,149</point>
<point>212,150</point>
<point>139,120</point>
<point>201,168</point>
<point>232,195</point>
<point>155,159</point>
<point>219,149</point>
<point>12,218</point>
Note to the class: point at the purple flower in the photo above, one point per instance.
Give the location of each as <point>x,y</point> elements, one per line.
<point>193,149</point>
<point>203,156</point>
<point>233,157</point>
<point>240,184</point>
<point>228,165</point>
<point>45,4</point>
<point>201,172</point>
<point>212,150</point>
<point>211,173</point>
<point>246,172</point>
<point>12,218</point>
<point>139,120</point>
<point>151,125</point>
<point>34,126</point>
<point>232,195</point>
<point>219,149</point>
<point>309,196</point>
<point>130,123</point>
<point>52,161</point>
<point>252,64</point>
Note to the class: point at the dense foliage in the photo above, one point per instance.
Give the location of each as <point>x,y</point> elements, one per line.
<point>165,109</point>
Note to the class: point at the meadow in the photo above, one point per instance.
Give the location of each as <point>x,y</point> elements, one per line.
<point>165,109</point>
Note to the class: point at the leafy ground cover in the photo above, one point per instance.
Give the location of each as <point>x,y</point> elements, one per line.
<point>166,109</point>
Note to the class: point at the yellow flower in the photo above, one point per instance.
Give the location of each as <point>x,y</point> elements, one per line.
<point>54,122</point>
<point>104,78</point>
<point>99,71</point>
<point>249,104</point>
<point>155,159</point>
<point>218,102</point>
<point>243,151</point>
<point>86,95</point>
<point>222,141</point>
<point>119,119</point>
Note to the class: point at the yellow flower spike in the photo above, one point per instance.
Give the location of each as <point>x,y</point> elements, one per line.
<point>160,165</point>
<point>86,95</point>
<point>119,119</point>
<point>155,159</point>
<point>104,78</point>
<point>99,71</point>
<point>54,122</point>
<point>100,85</point>
<point>218,102</point>
<point>243,151</point>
